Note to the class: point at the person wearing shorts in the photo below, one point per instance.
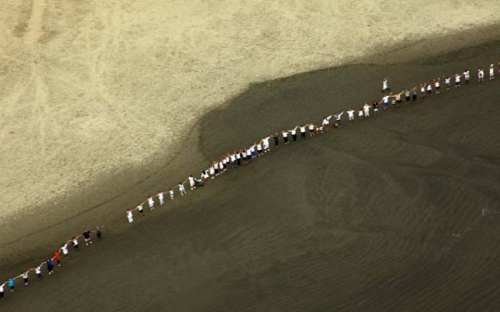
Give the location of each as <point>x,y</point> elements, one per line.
<point>447,83</point>
<point>302,132</point>
<point>385,101</point>
<point>171,192</point>
<point>25,277</point>
<point>293,132</point>
<point>285,136</point>
<point>86,237</point>
<point>407,95</point>
<point>276,139</point>
<point>326,123</point>
<point>12,284</point>
<point>140,208</point>
<point>375,107</point>
<point>429,88</point>
<point>414,94</point>
<point>310,126</point>
<point>57,257</point>
<point>75,243</point>
<point>437,85</point>
<point>38,271</point>
<point>50,266</point>
<point>182,189</point>
<point>65,250</point>
<point>457,80</point>
<point>466,74</point>
<point>2,291</point>
<point>480,74</point>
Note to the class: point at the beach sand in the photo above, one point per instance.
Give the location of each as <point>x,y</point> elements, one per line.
<point>395,213</point>
<point>96,91</point>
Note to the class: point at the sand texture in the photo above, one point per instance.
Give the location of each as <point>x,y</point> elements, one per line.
<point>395,213</point>
<point>90,89</point>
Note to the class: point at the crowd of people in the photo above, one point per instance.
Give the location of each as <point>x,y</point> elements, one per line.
<point>244,156</point>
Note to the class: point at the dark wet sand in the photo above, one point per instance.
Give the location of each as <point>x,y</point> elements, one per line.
<point>395,213</point>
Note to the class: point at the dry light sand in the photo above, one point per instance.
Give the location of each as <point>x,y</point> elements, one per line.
<point>88,88</point>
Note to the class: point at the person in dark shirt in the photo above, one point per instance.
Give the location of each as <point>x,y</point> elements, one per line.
<point>86,236</point>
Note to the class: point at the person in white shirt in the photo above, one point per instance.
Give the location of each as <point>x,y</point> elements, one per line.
<point>366,110</point>
<point>429,88</point>
<point>238,158</point>
<point>492,72</point>
<point>160,198</point>
<point>75,243</point>
<point>182,189</point>
<point>361,114</point>
<point>192,184</point>
<point>447,82</point>
<point>233,162</point>
<point>24,275</point>
<point>38,271</point>
<point>457,80</point>
<point>64,248</point>
<point>284,133</point>
<point>466,75</point>
<point>338,119</point>
<point>265,144</point>
<point>480,74</point>
<point>385,84</point>
<point>130,216</point>
<point>151,203</point>
<point>171,192</point>
<point>437,85</point>
<point>259,148</point>
<point>350,114</point>
<point>303,131</point>
<point>293,132</point>
<point>311,129</point>
<point>384,100</point>
<point>2,291</point>
<point>326,123</point>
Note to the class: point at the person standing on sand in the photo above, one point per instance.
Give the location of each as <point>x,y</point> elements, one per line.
<point>260,150</point>
<point>171,192</point>
<point>160,198</point>
<point>375,107</point>
<point>361,114</point>
<point>75,243</point>
<point>2,290</point>
<point>311,129</point>
<point>303,131</point>
<point>265,144</point>
<point>398,98</point>
<point>492,72</point>
<point>385,101</point>
<point>12,284</point>
<point>151,203</point>
<point>293,132</point>
<point>429,88</point>
<point>457,80</point>
<point>57,257</point>
<point>130,216</point>
<point>480,74</point>
<point>38,271</point>
<point>276,139</point>
<point>98,232</point>
<point>140,208</point>
<point>466,75</point>
<point>447,83</point>
<point>284,133</point>
<point>407,95</point>
<point>385,84</point>
<point>437,85</point>
<point>350,114</point>
<point>326,123</point>
<point>86,237</point>
<point>50,266</point>
<point>192,184</point>
<point>65,250</point>
<point>182,189</point>
<point>25,277</point>
<point>414,94</point>
<point>366,110</point>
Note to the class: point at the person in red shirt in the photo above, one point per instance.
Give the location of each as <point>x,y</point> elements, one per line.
<point>57,257</point>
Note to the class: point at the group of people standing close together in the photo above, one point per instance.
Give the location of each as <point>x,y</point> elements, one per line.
<point>244,156</point>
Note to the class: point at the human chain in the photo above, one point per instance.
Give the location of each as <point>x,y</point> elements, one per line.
<point>245,155</point>
<point>259,148</point>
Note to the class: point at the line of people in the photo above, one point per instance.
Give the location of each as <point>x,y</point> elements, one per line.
<point>53,261</point>
<point>245,155</point>
<point>259,148</point>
